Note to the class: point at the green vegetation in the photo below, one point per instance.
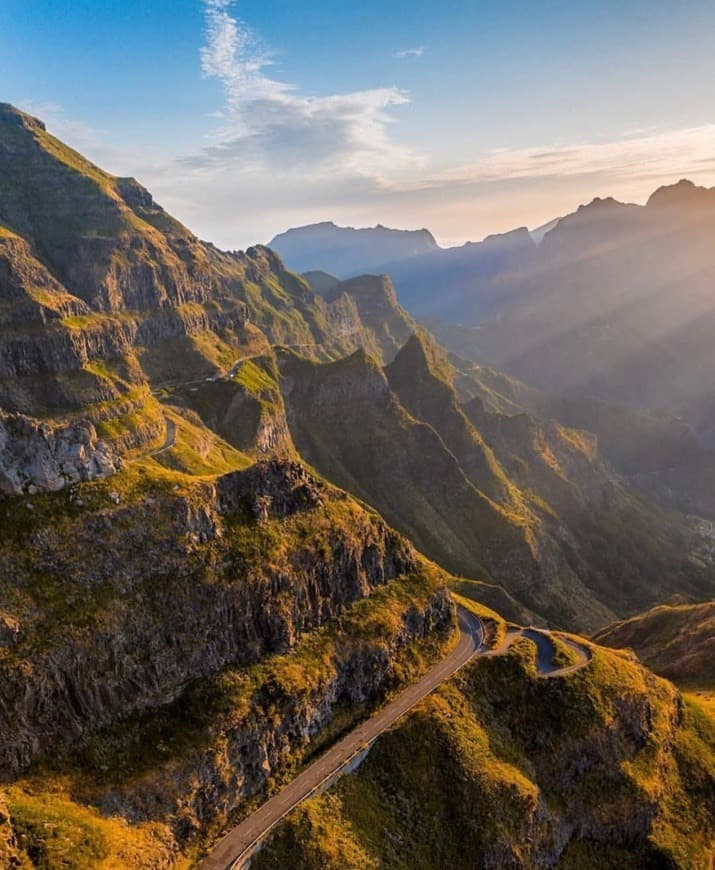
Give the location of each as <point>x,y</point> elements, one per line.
<point>255,379</point>
<point>676,641</point>
<point>507,500</point>
<point>54,810</point>
<point>564,654</point>
<point>197,451</point>
<point>495,597</point>
<point>52,831</point>
<point>134,578</point>
<point>482,772</point>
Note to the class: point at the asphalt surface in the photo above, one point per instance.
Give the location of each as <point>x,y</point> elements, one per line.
<point>169,440</point>
<point>239,844</point>
<point>545,651</point>
<point>239,841</point>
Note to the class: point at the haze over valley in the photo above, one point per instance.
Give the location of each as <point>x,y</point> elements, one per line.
<point>360,548</point>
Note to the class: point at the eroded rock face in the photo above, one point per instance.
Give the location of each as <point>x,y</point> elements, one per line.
<point>210,783</point>
<point>36,456</point>
<point>271,490</point>
<point>10,630</point>
<point>132,601</point>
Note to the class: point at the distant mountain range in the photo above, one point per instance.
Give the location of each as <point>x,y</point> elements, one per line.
<point>346,252</point>
<point>614,301</point>
<point>431,281</point>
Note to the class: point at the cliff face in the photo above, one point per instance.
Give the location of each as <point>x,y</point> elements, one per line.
<point>252,744</point>
<point>120,598</point>
<point>36,456</point>
<point>387,324</point>
<point>246,409</point>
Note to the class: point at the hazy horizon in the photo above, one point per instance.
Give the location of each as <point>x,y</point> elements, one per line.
<point>245,120</point>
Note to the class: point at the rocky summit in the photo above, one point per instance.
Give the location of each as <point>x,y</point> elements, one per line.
<point>250,518</point>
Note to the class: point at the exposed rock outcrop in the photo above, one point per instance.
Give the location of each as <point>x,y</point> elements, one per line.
<point>37,456</point>
<point>136,599</point>
<point>271,490</point>
<point>255,746</point>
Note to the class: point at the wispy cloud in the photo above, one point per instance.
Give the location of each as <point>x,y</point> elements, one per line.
<point>667,153</point>
<point>268,123</point>
<point>410,52</point>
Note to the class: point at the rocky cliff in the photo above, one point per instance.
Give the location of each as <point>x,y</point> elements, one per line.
<point>119,599</point>
<point>104,298</point>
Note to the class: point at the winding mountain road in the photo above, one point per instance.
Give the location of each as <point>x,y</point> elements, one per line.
<point>168,442</point>
<point>244,840</point>
<point>545,666</point>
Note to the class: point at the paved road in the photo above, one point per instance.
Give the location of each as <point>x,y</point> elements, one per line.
<point>238,842</point>
<point>169,440</point>
<point>545,651</point>
<point>237,846</point>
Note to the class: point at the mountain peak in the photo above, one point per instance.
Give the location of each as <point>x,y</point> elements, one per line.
<point>599,203</point>
<point>367,287</point>
<point>518,236</point>
<point>349,251</point>
<point>10,114</point>
<point>683,193</point>
<point>420,357</point>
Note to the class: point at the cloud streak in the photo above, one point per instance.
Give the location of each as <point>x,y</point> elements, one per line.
<point>268,124</point>
<point>409,52</point>
<point>669,153</point>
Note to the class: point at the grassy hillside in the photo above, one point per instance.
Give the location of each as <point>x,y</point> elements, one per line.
<point>173,643</point>
<point>677,641</point>
<point>483,774</point>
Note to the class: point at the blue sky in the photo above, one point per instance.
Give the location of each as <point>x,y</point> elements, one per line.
<point>244,118</point>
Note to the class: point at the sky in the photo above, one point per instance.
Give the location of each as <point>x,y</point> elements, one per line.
<point>245,118</point>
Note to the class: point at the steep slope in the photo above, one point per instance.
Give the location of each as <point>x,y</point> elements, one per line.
<point>321,282</point>
<point>676,641</point>
<point>483,774</point>
<point>656,453</point>
<point>346,251</point>
<point>387,324</point>
<point>170,642</point>
<point>108,305</point>
<point>346,421</point>
<point>505,499</point>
